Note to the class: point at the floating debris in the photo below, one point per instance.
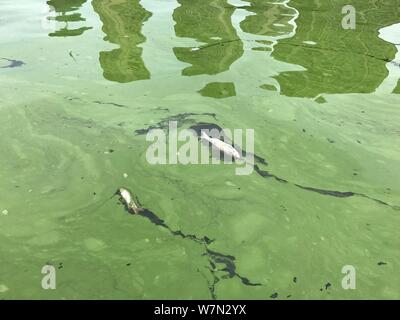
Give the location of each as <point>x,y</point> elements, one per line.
<point>12,63</point>
<point>269,87</point>
<point>111,103</point>
<point>328,285</point>
<point>125,175</point>
<point>72,56</point>
<point>5,212</point>
<point>381,263</point>
<point>230,267</point>
<point>181,118</point>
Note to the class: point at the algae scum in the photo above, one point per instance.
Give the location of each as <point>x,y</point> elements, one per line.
<point>82,84</point>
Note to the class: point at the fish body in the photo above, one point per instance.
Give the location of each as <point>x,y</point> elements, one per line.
<point>221,145</point>
<point>128,200</point>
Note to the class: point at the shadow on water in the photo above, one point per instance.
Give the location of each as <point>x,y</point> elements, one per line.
<point>122,24</point>
<point>10,63</point>
<point>209,22</point>
<point>181,119</point>
<point>66,13</point>
<point>260,161</point>
<point>215,259</point>
<point>336,60</point>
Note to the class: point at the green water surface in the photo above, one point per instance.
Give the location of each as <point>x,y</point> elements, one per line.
<point>81,81</point>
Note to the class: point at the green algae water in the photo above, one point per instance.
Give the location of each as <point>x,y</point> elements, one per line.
<point>82,82</point>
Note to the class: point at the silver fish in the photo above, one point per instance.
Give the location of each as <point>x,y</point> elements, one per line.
<point>221,145</point>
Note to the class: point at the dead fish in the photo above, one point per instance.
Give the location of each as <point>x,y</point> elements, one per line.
<point>221,145</point>
<point>128,200</point>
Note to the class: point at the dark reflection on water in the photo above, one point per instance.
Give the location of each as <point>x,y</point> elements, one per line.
<point>341,61</point>
<point>334,60</point>
<point>122,24</point>
<point>397,89</point>
<point>269,19</point>
<point>218,90</point>
<point>207,21</point>
<point>67,13</point>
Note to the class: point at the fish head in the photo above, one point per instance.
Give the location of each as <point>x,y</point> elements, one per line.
<point>235,154</point>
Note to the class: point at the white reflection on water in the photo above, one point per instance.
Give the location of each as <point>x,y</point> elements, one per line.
<point>391,34</point>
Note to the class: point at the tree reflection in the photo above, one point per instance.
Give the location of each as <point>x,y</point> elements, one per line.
<point>122,24</point>
<point>209,22</point>
<point>336,60</point>
<point>66,14</point>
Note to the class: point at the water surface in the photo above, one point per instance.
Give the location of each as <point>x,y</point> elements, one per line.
<point>80,81</point>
